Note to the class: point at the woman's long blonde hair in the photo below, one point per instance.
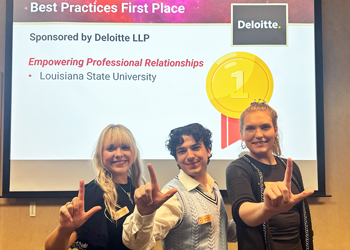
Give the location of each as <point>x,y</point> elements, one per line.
<point>261,105</point>
<point>120,135</point>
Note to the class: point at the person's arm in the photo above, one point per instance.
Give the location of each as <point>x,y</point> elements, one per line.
<point>142,232</point>
<point>278,198</point>
<point>155,214</point>
<point>71,216</point>
<point>240,180</point>
<point>231,231</point>
<point>60,239</point>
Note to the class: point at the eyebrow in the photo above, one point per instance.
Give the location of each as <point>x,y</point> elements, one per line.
<point>107,146</point>
<point>180,148</point>
<point>253,125</point>
<point>193,145</point>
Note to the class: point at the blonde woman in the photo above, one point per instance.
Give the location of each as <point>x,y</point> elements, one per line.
<point>107,200</point>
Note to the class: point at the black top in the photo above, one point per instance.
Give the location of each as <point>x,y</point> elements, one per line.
<point>99,233</point>
<point>285,226</point>
<point>246,183</point>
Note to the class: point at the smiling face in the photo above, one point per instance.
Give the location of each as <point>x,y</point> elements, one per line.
<point>192,157</point>
<point>259,134</point>
<point>117,158</point>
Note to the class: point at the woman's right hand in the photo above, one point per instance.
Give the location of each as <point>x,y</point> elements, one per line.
<point>279,198</point>
<point>72,215</point>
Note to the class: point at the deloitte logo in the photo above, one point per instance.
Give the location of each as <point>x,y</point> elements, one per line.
<point>257,25</point>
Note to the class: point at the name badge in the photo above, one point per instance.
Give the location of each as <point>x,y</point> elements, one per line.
<point>122,212</point>
<point>204,219</point>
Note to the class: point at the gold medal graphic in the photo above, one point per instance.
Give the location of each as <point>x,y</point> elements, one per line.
<point>233,82</point>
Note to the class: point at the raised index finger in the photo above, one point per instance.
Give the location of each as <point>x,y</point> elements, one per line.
<point>153,176</point>
<point>288,174</point>
<point>81,190</point>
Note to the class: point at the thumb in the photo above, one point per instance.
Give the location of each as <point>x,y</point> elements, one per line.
<point>169,194</point>
<point>306,193</point>
<point>91,212</point>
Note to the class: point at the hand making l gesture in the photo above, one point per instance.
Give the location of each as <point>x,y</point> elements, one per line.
<point>148,197</point>
<point>72,214</point>
<point>278,196</point>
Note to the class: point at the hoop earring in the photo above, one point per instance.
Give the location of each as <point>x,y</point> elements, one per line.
<point>243,145</point>
<point>277,140</point>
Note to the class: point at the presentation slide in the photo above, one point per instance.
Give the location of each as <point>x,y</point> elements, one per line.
<point>152,66</point>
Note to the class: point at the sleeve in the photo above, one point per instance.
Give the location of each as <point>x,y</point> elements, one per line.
<point>297,173</point>
<point>142,232</point>
<point>239,187</point>
<point>231,231</point>
<point>93,234</point>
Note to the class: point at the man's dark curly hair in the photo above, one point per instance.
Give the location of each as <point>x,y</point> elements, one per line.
<point>196,130</point>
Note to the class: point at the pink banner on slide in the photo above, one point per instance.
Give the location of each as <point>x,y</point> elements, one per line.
<point>145,11</point>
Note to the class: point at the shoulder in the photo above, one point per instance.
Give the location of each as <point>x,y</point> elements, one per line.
<point>238,165</point>
<point>173,183</point>
<point>93,195</point>
<point>93,187</point>
<point>296,169</point>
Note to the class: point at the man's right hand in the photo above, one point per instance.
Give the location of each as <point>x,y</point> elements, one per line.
<point>148,198</point>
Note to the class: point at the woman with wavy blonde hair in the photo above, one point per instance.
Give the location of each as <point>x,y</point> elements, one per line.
<point>108,199</point>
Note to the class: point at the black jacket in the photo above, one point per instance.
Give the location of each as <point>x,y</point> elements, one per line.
<point>242,180</point>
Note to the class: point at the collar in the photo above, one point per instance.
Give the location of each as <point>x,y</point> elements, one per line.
<point>191,183</point>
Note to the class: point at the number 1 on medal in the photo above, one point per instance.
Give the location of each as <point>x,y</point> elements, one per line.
<point>239,85</point>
